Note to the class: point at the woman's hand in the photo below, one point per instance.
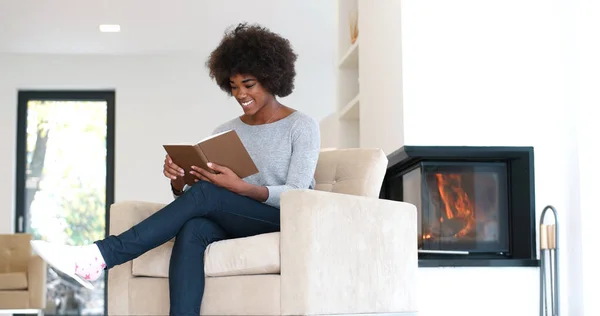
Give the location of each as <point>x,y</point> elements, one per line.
<point>224,177</point>
<point>174,172</point>
<point>227,179</point>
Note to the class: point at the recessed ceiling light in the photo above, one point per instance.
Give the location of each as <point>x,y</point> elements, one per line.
<point>110,28</point>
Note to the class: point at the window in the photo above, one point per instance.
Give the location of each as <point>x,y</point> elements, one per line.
<point>65,181</point>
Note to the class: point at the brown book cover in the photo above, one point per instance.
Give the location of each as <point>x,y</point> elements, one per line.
<point>225,149</point>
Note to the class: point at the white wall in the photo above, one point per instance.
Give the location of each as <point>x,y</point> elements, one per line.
<point>583,84</point>
<point>159,99</point>
<point>492,73</point>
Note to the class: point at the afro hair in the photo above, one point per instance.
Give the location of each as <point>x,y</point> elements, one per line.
<point>256,51</point>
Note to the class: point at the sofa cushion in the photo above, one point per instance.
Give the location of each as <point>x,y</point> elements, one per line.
<point>14,300</point>
<point>355,171</point>
<point>243,256</point>
<point>240,256</point>
<point>13,281</point>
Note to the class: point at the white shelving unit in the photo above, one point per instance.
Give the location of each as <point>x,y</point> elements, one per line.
<point>348,88</point>
<point>350,58</point>
<point>351,111</point>
<point>369,109</point>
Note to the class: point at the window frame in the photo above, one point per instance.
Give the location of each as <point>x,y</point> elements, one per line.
<point>24,96</point>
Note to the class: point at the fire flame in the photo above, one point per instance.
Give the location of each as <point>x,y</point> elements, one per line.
<point>456,202</point>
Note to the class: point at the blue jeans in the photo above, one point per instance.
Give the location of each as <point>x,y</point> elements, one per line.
<point>204,214</point>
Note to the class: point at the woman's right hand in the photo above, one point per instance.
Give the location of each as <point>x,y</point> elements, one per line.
<point>174,172</point>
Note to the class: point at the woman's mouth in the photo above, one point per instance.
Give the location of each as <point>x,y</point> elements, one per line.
<point>247,103</point>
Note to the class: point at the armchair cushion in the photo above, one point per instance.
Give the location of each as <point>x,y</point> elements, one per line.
<point>356,171</point>
<point>241,256</point>
<point>14,300</point>
<point>13,281</point>
<point>14,252</point>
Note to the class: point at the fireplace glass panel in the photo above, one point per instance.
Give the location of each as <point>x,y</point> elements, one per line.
<point>462,205</point>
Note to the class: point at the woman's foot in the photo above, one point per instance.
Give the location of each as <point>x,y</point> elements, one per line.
<point>83,263</point>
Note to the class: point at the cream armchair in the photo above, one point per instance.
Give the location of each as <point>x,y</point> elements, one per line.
<point>22,275</point>
<point>341,250</point>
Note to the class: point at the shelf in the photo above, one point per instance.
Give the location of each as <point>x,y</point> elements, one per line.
<point>350,58</point>
<point>351,110</point>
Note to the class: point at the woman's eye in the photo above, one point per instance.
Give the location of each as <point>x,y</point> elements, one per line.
<point>233,88</point>
<point>250,86</point>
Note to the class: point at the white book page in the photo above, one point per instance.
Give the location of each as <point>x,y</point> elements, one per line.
<point>204,139</point>
<point>215,135</point>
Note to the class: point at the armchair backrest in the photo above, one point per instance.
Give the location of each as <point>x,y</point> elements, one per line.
<point>356,171</point>
<point>15,252</point>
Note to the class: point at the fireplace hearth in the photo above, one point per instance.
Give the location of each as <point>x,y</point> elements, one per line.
<point>475,204</point>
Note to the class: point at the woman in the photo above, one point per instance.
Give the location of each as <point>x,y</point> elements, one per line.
<point>255,66</point>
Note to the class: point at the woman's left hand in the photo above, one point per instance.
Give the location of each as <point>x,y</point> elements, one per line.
<point>224,177</point>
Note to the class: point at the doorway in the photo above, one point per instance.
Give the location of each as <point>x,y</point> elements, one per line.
<point>65,182</point>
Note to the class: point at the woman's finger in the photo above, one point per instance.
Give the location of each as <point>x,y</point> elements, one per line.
<point>171,170</point>
<point>172,174</point>
<point>200,176</point>
<point>174,169</point>
<point>216,167</point>
<point>169,162</point>
<point>169,175</point>
<point>174,165</point>
<point>201,173</point>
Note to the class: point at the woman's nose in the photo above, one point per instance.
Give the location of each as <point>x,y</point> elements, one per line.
<point>242,92</point>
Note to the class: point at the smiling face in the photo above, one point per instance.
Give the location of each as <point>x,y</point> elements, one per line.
<point>249,93</point>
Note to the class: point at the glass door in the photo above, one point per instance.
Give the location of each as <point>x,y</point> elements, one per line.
<point>65,165</point>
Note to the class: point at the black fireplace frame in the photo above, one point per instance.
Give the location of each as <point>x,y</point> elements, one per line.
<point>521,195</point>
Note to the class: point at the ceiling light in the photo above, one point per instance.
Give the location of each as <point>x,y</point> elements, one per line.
<point>110,28</point>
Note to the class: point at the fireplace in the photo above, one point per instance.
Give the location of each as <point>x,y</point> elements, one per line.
<point>475,205</point>
<point>462,205</point>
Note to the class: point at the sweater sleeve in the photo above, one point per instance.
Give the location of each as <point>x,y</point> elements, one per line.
<point>306,143</point>
<point>185,188</point>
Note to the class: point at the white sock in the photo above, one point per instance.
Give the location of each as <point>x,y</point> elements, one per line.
<point>89,262</point>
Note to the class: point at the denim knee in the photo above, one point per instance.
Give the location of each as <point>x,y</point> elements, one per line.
<point>202,188</point>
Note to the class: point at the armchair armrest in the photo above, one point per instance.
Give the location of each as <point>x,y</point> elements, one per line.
<point>36,282</point>
<point>347,254</point>
<point>124,215</point>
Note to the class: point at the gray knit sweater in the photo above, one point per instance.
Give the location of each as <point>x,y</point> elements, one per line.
<point>285,152</point>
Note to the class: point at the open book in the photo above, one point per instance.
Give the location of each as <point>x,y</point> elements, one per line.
<point>225,149</point>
